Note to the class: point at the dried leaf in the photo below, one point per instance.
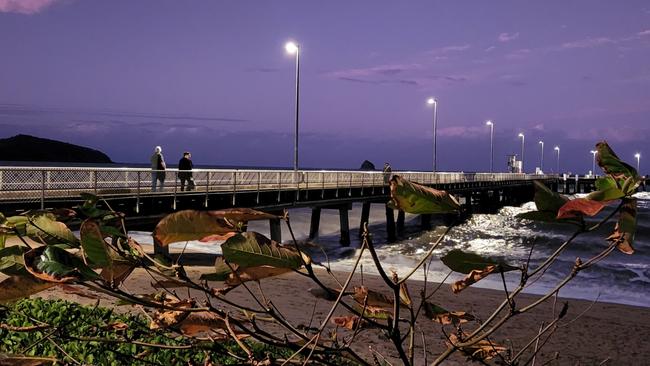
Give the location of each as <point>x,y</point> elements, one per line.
<point>224,273</point>
<point>19,287</point>
<point>444,316</point>
<point>473,277</point>
<point>482,350</point>
<point>217,237</point>
<point>465,262</point>
<point>191,225</point>
<point>371,298</point>
<point>201,322</point>
<point>404,295</point>
<point>580,206</point>
<point>168,318</point>
<point>625,228</point>
<point>351,322</point>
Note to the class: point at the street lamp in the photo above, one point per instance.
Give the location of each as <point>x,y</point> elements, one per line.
<point>491,124</point>
<point>522,150</point>
<point>557,148</point>
<point>434,103</point>
<point>293,48</point>
<point>638,162</point>
<point>593,162</point>
<point>541,158</point>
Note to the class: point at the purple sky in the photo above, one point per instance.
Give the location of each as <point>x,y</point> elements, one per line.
<point>212,77</point>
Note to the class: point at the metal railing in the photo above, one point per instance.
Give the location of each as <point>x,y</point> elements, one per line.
<point>39,184</point>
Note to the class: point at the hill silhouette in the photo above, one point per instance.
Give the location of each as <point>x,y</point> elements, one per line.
<point>31,148</point>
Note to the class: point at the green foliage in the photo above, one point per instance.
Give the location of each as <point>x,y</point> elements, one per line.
<point>464,262</point>
<point>54,264</point>
<point>93,244</point>
<point>251,249</point>
<point>76,321</point>
<point>417,199</point>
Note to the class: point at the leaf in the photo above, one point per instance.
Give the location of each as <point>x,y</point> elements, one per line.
<point>22,360</point>
<point>217,237</point>
<point>544,216</point>
<point>463,262</point>
<point>547,200</point>
<point>371,298</point>
<point>117,272</point>
<point>444,316</point>
<point>19,287</point>
<point>241,274</point>
<point>417,199</point>
<point>580,206</point>
<point>11,260</point>
<point>201,322</point>
<point>612,165</point>
<point>608,194</point>
<point>404,295</point>
<point>351,322</point>
<point>93,244</point>
<point>191,225</point>
<point>168,318</point>
<point>54,264</point>
<point>625,228</point>
<point>481,350</point>
<point>471,278</point>
<point>242,215</point>
<point>251,249</point>
<point>329,294</point>
<point>45,230</point>
<point>374,312</point>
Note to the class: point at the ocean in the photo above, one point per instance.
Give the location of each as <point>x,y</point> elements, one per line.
<point>619,278</point>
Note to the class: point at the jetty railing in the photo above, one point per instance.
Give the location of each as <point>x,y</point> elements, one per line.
<point>34,184</point>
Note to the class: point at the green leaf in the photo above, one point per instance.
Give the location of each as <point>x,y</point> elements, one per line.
<point>608,194</point>
<point>547,200</point>
<point>612,165</point>
<point>93,244</point>
<point>251,249</point>
<point>545,216</point>
<point>464,262</point>
<point>418,199</point>
<point>625,228</point>
<point>11,260</point>
<point>53,264</point>
<point>44,229</point>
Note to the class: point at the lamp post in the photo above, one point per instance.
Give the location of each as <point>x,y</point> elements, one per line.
<point>593,162</point>
<point>638,162</point>
<point>491,124</point>
<point>522,150</point>
<point>541,157</point>
<point>434,103</point>
<point>557,163</point>
<point>293,48</point>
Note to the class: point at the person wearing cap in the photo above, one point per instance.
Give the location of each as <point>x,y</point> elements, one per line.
<point>158,167</point>
<point>185,171</point>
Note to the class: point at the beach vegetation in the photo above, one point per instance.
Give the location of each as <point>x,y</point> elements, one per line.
<point>196,316</point>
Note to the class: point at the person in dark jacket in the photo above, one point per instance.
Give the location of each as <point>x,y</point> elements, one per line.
<point>158,167</point>
<point>387,173</point>
<point>185,171</point>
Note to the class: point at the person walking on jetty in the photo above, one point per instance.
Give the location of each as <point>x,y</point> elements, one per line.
<point>185,171</point>
<point>158,167</point>
<point>387,173</point>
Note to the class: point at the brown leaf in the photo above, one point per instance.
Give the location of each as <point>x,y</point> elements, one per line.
<point>202,322</point>
<point>235,215</point>
<point>625,227</point>
<point>168,318</point>
<point>444,316</point>
<point>117,326</point>
<point>580,206</point>
<point>20,287</point>
<point>254,274</point>
<point>117,272</point>
<point>473,277</point>
<point>482,350</point>
<point>321,293</point>
<point>351,322</point>
<point>371,298</point>
<point>169,284</point>
<point>217,237</point>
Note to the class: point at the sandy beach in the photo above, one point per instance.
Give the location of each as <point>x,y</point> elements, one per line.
<point>607,334</point>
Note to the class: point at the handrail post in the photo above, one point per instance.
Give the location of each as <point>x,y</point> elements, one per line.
<point>279,185</point>
<point>322,178</point>
<point>234,187</point>
<point>175,191</point>
<point>42,189</point>
<point>207,188</point>
<point>259,181</point>
<point>94,173</point>
<point>137,197</point>
<point>337,184</point>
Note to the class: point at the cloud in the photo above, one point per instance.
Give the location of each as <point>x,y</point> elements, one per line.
<point>461,131</point>
<point>519,54</point>
<point>490,49</point>
<point>379,82</point>
<point>644,33</point>
<point>263,69</point>
<point>588,43</point>
<point>25,6</point>
<point>507,37</point>
<point>381,70</point>
<point>440,51</point>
